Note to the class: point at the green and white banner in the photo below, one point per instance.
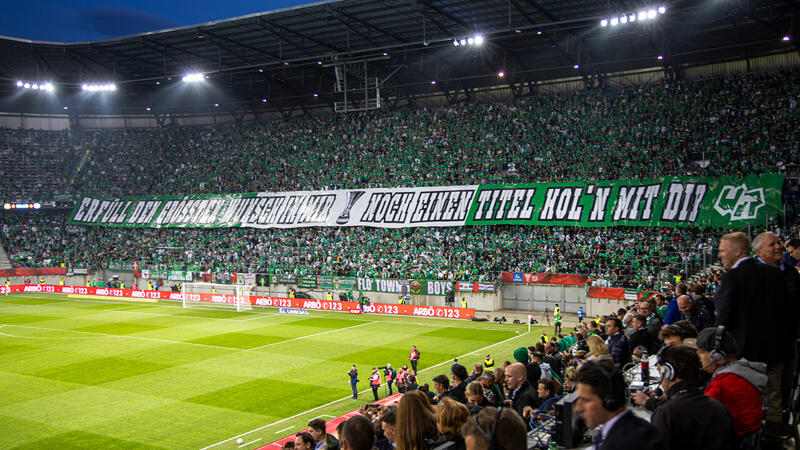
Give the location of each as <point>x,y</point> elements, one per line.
<point>668,201</point>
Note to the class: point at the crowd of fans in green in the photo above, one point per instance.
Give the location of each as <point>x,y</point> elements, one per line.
<point>739,124</point>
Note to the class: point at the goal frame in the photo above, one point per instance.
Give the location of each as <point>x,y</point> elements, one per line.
<point>235,296</point>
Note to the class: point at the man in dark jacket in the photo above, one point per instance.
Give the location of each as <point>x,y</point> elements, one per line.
<point>750,295</point>
<point>690,419</point>
<point>617,343</point>
<point>601,401</point>
<point>459,387</point>
<point>694,312</point>
<point>641,337</point>
<point>524,398</point>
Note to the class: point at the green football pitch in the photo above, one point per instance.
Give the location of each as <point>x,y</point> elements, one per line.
<point>95,373</point>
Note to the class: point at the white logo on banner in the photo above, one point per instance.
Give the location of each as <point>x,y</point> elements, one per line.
<point>740,202</point>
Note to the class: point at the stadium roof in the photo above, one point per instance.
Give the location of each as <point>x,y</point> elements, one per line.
<point>281,59</point>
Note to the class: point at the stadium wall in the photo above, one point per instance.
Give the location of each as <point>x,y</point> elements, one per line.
<point>543,297</point>
<point>496,94</point>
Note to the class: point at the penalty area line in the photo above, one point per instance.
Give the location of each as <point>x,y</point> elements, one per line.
<point>360,392</point>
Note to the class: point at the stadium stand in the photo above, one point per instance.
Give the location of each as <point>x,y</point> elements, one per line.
<point>733,125</point>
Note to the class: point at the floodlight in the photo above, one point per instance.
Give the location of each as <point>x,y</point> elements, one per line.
<point>660,56</point>
<point>642,15</point>
<point>470,41</point>
<point>786,38</point>
<point>604,22</point>
<point>501,74</point>
<point>455,42</point>
<point>263,100</point>
<point>260,70</point>
<point>192,77</point>
<point>632,18</point>
<point>614,21</point>
<point>651,14</point>
<point>316,95</point>
<point>576,66</point>
<point>49,87</point>
<point>538,31</point>
<point>623,19</point>
<point>147,108</point>
<point>34,86</point>
<point>216,104</point>
<point>463,41</point>
<point>319,61</point>
<point>19,83</point>
<point>66,107</point>
<point>433,81</point>
<point>662,9</point>
<point>478,40</point>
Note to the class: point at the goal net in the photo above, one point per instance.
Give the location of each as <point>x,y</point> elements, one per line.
<point>222,295</point>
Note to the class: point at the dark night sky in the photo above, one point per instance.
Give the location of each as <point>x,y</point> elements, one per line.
<point>83,20</point>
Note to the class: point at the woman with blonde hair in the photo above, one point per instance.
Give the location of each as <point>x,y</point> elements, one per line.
<point>451,415</point>
<point>416,422</point>
<point>597,348</point>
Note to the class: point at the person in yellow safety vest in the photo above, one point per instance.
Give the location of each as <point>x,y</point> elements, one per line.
<point>88,284</point>
<point>41,280</point>
<point>8,283</point>
<point>597,319</point>
<point>544,337</point>
<point>557,320</point>
<point>149,286</point>
<point>122,285</point>
<point>291,293</point>
<point>488,363</point>
<point>329,296</point>
<point>61,282</point>
<point>463,302</point>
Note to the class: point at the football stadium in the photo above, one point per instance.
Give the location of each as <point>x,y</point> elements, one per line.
<point>411,224</point>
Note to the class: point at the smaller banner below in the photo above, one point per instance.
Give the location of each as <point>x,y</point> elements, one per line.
<point>565,279</point>
<point>31,272</point>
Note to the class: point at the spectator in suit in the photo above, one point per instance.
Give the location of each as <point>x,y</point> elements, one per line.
<point>769,250</point>
<point>601,401</point>
<point>694,312</point>
<point>523,396</point>
<point>617,342</point>
<point>750,295</point>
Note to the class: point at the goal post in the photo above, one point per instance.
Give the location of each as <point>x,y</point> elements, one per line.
<point>234,296</point>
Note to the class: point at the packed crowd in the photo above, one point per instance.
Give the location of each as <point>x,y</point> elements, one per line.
<point>719,373</point>
<point>739,124</point>
<point>623,256</point>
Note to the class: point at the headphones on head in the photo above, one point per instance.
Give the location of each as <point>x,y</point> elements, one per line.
<point>490,435</point>
<point>718,355</point>
<point>612,400</point>
<point>665,369</point>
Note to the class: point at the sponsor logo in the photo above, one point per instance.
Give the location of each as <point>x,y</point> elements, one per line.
<point>175,296</point>
<point>292,311</point>
<point>740,202</point>
<point>415,286</point>
<point>312,304</point>
<point>138,294</point>
<point>101,292</point>
<point>355,311</point>
<point>67,290</point>
<point>32,289</point>
<point>517,277</point>
<point>422,311</point>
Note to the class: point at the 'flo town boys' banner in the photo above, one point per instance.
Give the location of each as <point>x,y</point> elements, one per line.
<point>668,201</point>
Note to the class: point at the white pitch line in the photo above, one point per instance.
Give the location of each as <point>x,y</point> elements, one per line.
<point>126,337</point>
<point>348,397</point>
<point>281,431</point>
<point>182,315</point>
<point>248,443</point>
<point>307,336</point>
